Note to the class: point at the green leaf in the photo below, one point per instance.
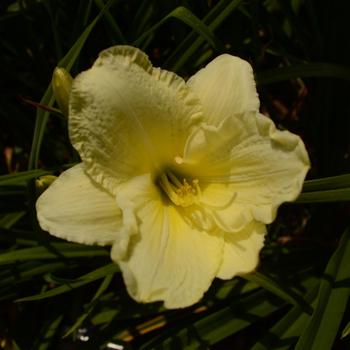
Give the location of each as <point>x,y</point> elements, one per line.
<point>346,331</point>
<point>85,279</point>
<point>111,22</point>
<point>191,44</point>
<point>103,287</point>
<point>277,289</point>
<point>29,270</point>
<point>49,333</point>
<point>104,317</point>
<point>327,183</point>
<point>20,178</point>
<point>67,250</point>
<point>338,195</point>
<point>331,302</point>
<point>8,220</point>
<point>183,14</point>
<point>210,329</point>
<point>142,17</point>
<point>307,70</point>
<point>283,334</point>
<point>227,289</point>
<point>48,99</point>
<point>15,346</point>
<point>12,190</point>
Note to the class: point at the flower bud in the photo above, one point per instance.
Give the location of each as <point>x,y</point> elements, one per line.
<point>61,85</point>
<point>43,182</point>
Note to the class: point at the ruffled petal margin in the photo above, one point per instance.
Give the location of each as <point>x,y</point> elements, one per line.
<point>263,166</point>
<point>127,118</point>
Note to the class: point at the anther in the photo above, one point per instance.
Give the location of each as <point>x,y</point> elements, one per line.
<point>181,194</point>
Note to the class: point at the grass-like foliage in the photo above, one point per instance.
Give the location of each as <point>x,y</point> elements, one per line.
<point>59,295</point>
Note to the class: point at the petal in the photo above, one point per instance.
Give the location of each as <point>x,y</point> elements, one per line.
<point>79,210</point>
<point>229,216</point>
<point>225,87</point>
<point>217,209</point>
<point>127,118</point>
<point>168,260</point>
<point>241,250</point>
<point>264,166</point>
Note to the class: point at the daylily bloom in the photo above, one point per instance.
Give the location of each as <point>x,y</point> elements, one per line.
<point>180,178</point>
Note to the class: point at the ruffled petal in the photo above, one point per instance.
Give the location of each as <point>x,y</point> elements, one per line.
<point>225,87</point>
<point>264,166</point>
<point>168,260</point>
<point>241,250</point>
<point>127,118</point>
<point>77,209</point>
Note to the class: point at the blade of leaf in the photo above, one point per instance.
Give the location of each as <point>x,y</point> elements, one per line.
<point>50,332</point>
<point>15,345</point>
<point>324,323</point>
<point>142,17</point>
<point>338,195</point>
<point>48,98</point>
<point>190,38</point>
<point>327,183</point>
<point>346,331</point>
<point>67,250</point>
<point>8,220</point>
<point>25,272</point>
<point>92,276</point>
<point>307,70</point>
<point>113,25</point>
<point>277,289</point>
<point>183,14</point>
<point>219,13</point>
<point>104,285</point>
<point>218,325</point>
<point>21,177</point>
<point>289,327</point>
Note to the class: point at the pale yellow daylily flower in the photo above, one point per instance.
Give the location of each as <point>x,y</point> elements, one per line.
<point>180,178</point>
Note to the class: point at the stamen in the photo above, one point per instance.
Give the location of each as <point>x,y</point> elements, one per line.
<point>195,183</point>
<point>174,179</point>
<point>181,194</point>
<point>168,189</point>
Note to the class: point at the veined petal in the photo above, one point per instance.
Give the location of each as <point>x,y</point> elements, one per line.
<point>168,260</point>
<point>225,87</point>
<point>128,118</point>
<point>241,250</point>
<point>264,166</point>
<point>77,209</point>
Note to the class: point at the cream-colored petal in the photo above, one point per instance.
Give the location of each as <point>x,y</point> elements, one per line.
<point>241,250</point>
<point>264,166</point>
<point>127,118</point>
<point>77,209</point>
<point>225,87</point>
<point>220,199</point>
<point>132,196</point>
<point>217,208</point>
<point>167,260</point>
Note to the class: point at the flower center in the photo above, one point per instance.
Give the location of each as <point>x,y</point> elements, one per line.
<point>180,193</point>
